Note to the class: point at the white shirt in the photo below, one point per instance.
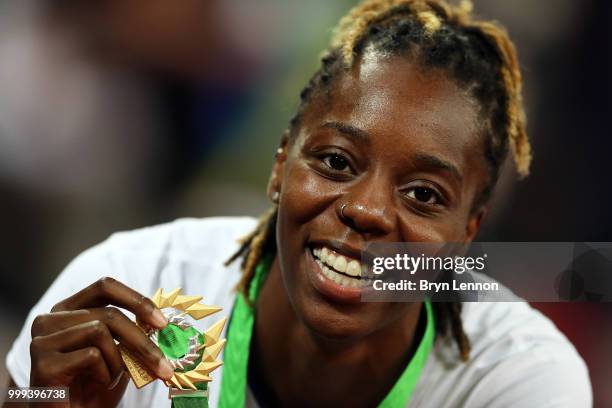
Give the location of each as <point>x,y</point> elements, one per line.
<point>518,357</point>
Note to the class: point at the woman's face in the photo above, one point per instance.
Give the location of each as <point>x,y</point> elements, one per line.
<point>399,149</point>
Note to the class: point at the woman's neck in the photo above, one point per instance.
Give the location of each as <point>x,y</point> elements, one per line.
<point>292,366</point>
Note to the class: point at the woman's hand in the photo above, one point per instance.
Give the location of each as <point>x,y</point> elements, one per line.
<point>74,345</point>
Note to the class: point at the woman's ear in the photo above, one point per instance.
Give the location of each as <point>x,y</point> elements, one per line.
<point>276,177</point>
<point>474,222</point>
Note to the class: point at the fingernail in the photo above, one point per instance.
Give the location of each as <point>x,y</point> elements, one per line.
<point>116,381</point>
<point>164,369</point>
<point>159,319</point>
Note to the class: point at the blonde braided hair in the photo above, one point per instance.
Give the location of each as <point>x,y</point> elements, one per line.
<point>432,14</point>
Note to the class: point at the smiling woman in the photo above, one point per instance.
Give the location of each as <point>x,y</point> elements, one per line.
<point>399,137</point>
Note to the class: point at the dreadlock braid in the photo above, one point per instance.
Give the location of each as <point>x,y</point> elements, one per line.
<point>511,74</point>
<point>477,54</point>
<point>252,248</point>
<point>448,318</point>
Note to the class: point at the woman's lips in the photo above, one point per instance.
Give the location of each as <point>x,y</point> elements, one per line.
<point>330,283</point>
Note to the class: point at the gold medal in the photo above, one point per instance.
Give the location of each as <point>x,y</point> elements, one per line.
<point>192,354</point>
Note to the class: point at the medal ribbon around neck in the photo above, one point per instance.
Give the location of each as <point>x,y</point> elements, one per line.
<point>192,354</point>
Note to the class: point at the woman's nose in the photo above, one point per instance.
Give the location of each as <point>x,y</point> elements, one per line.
<point>368,208</point>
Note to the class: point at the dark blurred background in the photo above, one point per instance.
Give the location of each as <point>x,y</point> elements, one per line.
<point>117,114</point>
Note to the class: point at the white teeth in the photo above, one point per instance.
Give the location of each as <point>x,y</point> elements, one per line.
<point>336,267</point>
<point>324,254</point>
<point>331,258</point>
<point>353,268</point>
<point>338,277</point>
<point>334,275</point>
<point>340,263</point>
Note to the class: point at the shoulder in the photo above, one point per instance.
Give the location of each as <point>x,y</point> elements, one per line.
<point>518,358</point>
<point>188,253</point>
<point>498,330</point>
<point>161,255</point>
<point>201,238</point>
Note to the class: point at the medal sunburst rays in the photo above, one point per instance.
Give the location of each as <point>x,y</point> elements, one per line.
<point>213,344</point>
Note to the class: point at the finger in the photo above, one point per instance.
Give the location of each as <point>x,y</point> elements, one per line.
<point>49,323</point>
<point>53,369</point>
<point>121,328</point>
<point>89,359</point>
<point>92,333</point>
<point>109,291</point>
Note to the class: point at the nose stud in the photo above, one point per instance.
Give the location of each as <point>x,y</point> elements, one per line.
<point>342,210</point>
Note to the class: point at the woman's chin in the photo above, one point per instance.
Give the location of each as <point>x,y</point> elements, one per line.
<point>325,321</point>
<point>336,313</point>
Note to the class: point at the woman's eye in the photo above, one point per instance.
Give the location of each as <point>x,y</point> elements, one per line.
<point>336,162</point>
<point>424,194</point>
